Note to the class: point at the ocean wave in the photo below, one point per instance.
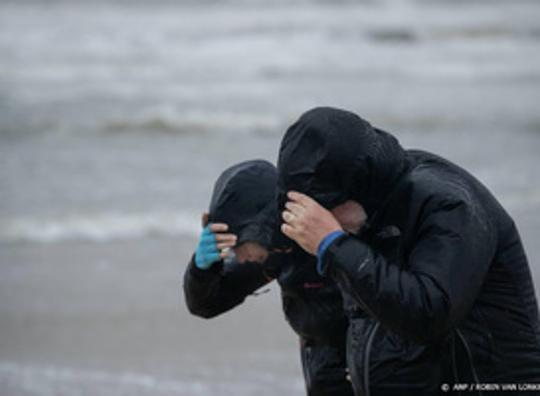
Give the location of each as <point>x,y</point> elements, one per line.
<point>170,121</point>
<point>100,227</point>
<point>412,34</point>
<point>107,226</point>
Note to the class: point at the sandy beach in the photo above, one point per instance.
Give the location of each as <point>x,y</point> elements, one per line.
<point>79,315</point>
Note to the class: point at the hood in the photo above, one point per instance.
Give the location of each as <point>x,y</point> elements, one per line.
<point>334,155</point>
<point>243,194</point>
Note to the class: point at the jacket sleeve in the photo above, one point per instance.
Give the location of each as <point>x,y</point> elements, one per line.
<point>444,270</point>
<point>222,287</point>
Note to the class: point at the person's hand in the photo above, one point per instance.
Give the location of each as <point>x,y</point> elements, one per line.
<point>306,222</point>
<point>213,244</point>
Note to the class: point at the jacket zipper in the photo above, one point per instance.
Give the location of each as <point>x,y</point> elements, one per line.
<point>307,355</point>
<point>366,358</point>
<point>469,357</point>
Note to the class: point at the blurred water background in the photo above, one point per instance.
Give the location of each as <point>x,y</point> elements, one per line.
<point>117,116</point>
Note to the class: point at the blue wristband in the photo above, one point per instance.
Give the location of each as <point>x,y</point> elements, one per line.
<point>323,245</point>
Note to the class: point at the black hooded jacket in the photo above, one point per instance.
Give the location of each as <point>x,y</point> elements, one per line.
<point>437,285</point>
<point>244,198</point>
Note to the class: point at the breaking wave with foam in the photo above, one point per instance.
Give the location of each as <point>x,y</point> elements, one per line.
<point>107,226</point>
<point>100,227</point>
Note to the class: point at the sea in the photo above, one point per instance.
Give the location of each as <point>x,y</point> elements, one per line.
<point>117,116</point>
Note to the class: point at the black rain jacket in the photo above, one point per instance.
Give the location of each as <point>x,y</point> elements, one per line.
<point>436,286</point>
<point>243,196</point>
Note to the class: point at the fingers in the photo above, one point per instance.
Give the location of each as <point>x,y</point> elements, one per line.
<point>226,238</point>
<point>218,227</point>
<point>226,245</point>
<point>287,216</point>
<point>292,215</point>
<point>214,244</point>
<point>299,198</point>
<point>293,210</point>
<point>288,231</point>
<point>224,241</point>
<point>294,207</point>
<point>213,252</point>
<point>217,240</point>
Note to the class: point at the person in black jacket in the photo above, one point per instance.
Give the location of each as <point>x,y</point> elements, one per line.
<point>436,283</point>
<point>242,198</point>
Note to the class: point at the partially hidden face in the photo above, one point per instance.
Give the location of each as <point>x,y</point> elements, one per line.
<point>350,215</point>
<point>250,252</point>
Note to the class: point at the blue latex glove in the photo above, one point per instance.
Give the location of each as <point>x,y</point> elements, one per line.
<point>207,252</point>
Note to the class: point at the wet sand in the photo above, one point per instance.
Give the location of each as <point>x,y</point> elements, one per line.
<point>73,314</point>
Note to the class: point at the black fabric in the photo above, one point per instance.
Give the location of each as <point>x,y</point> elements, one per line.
<point>437,287</point>
<point>220,288</point>
<point>313,305</point>
<point>241,196</point>
<point>322,365</point>
<point>335,156</point>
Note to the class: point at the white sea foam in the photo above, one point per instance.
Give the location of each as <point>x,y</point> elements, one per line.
<point>169,119</point>
<point>100,227</point>
<point>103,227</point>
